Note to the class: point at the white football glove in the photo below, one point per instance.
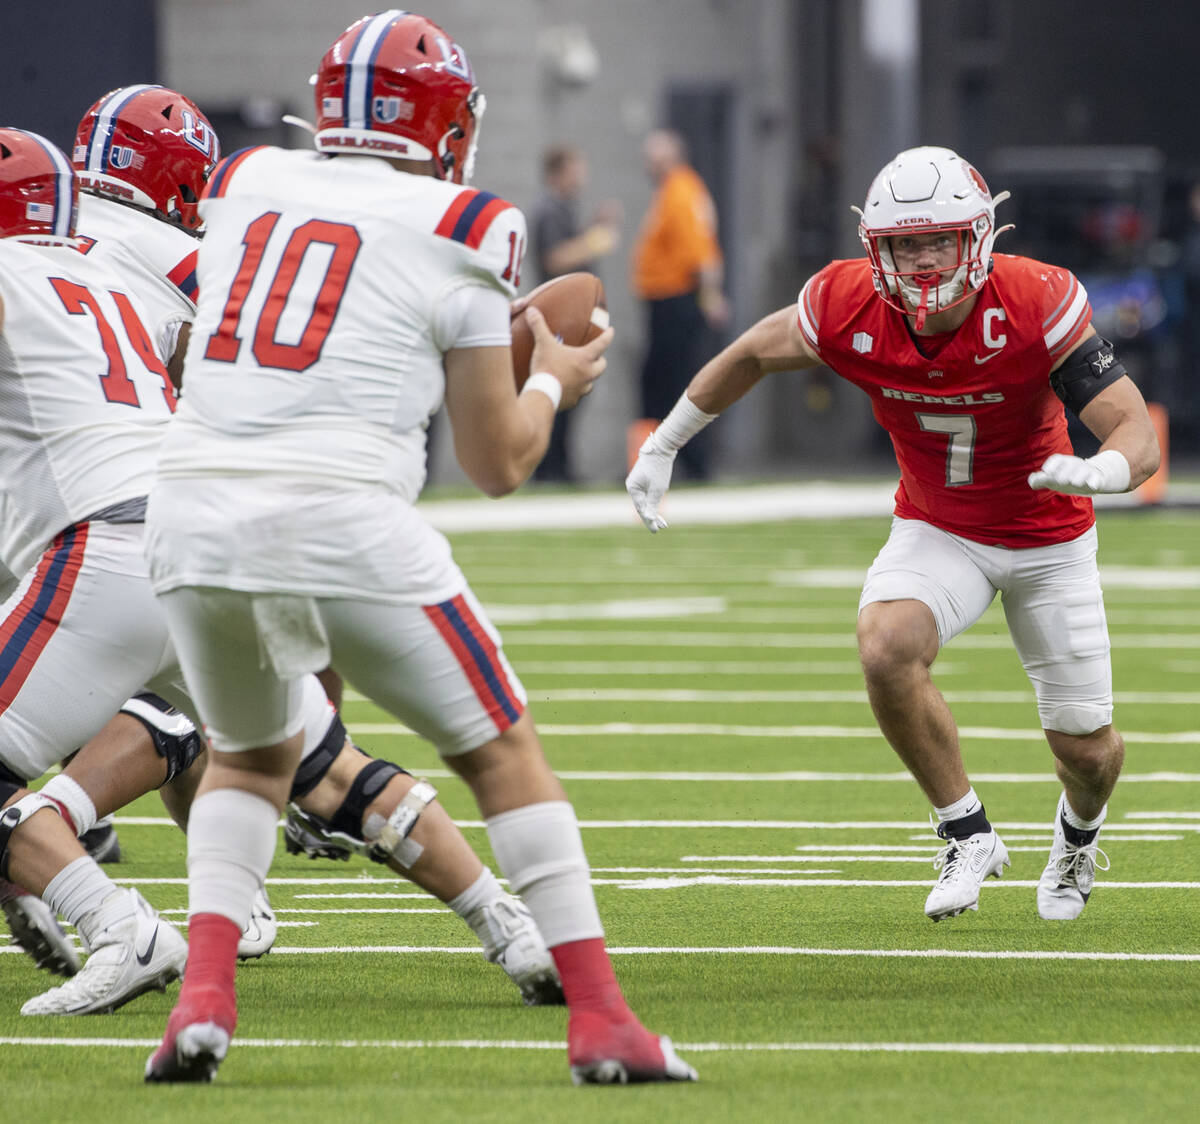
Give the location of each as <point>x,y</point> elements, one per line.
<point>648,482</point>
<point>1107,471</point>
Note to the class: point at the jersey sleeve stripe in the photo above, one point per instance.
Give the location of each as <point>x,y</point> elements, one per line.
<point>1064,324</point>
<point>30,625</point>
<point>183,276</point>
<point>469,217</point>
<point>449,220</point>
<point>483,220</point>
<point>806,315</point>
<point>218,182</point>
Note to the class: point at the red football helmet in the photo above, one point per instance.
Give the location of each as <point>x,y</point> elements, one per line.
<point>395,84</point>
<point>38,190</point>
<point>149,146</point>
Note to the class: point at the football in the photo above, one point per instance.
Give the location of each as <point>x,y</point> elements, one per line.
<point>574,308</point>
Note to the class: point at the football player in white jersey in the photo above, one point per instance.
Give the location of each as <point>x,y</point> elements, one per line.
<point>84,400</point>
<point>142,155</point>
<point>343,294</point>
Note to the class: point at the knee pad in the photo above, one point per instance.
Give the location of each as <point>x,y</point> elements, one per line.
<point>1077,719</point>
<point>16,814</point>
<point>176,739</point>
<point>316,764</point>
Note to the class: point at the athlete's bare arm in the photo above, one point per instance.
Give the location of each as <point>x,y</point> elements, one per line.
<point>175,364</point>
<point>775,343</point>
<point>499,436</point>
<point>1118,417</point>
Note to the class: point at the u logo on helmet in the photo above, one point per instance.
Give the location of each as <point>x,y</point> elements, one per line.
<point>389,109</point>
<point>455,59</point>
<point>119,156</point>
<point>198,133</point>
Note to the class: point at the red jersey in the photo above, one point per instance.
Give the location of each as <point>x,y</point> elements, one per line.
<point>975,415</point>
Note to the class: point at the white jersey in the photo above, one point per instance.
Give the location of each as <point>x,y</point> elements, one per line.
<point>155,260</point>
<point>84,399</point>
<point>330,288</point>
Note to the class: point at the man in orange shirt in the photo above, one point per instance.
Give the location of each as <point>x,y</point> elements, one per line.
<point>677,271</point>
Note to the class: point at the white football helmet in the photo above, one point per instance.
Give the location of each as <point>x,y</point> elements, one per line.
<point>923,190</point>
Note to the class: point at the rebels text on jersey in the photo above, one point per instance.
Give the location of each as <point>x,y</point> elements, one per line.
<point>970,420</point>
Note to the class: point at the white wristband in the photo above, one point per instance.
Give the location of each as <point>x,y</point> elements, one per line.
<point>1115,475</point>
<point>685,420</point>
<point>547,384</point>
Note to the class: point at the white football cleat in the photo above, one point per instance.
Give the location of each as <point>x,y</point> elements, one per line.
<point>35,929</point>
<point>964,864</point>
<point>514,942</point>
<point>132,950</point>
<point>259,934</point>
<point>1066,883</point>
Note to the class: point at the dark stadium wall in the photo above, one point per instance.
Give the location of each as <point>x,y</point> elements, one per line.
<point>56,59</point>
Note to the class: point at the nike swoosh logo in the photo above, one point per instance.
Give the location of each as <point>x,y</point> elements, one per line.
<point>143,958</point>
<point>989,355</point>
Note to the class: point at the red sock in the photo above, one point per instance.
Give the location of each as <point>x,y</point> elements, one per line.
<point>212,952</point>
<point>589,983</point>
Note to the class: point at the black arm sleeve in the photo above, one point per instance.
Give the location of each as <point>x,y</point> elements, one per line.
<point>1090,368</point>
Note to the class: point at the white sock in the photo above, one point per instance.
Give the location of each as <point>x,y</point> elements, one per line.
<point>66,791</point>
<point>539,850</point>
<point>231,841</point>
<point>964,806</point>
<point>1077,821</point>
<point>469,905</point>
<point>78,889</point>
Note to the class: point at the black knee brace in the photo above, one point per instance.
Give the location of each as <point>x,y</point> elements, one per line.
<point>348,819</point>
<point>177,741</point>
<point>316,764</point>
<point>16,814</point>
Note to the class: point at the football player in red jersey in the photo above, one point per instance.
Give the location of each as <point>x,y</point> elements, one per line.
<point>968,360</point>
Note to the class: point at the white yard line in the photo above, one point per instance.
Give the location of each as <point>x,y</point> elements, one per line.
<point>725,730</point>
<point>795,825</point>
<point>743,638</point>
<point>692,695</point>
<point>558,1046</point>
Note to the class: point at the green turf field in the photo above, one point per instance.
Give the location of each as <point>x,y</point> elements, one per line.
<point>761,861</point>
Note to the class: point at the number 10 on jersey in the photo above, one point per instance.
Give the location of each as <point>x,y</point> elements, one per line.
<point>322,300</point>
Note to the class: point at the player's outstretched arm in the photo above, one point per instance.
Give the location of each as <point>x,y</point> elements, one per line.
<point>500,436</point>
<point>775,343</point>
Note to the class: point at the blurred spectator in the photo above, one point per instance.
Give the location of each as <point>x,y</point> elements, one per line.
<point>560,245</point>
<point>678,271</point>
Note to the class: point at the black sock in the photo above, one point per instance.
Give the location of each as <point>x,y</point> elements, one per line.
<point>965,826</point>
<point>1075,836</point>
